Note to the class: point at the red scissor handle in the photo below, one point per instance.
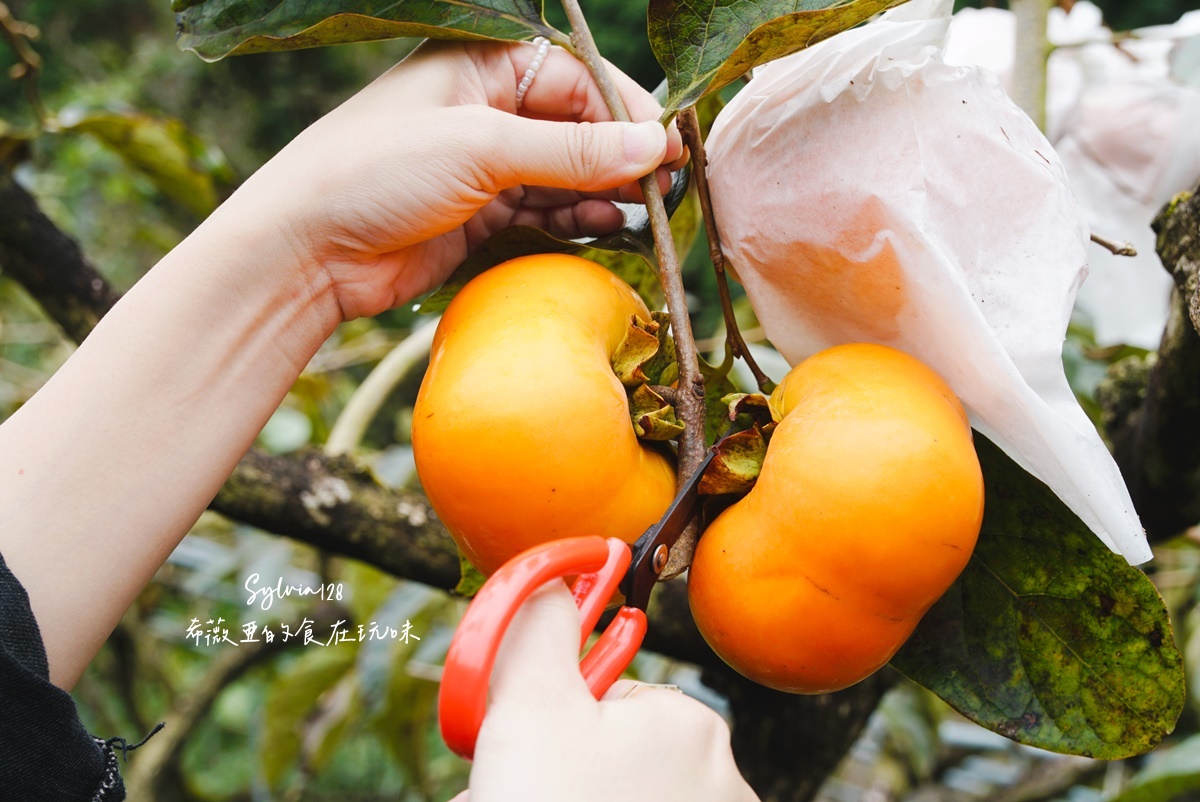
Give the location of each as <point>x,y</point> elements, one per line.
<point>600,564</point>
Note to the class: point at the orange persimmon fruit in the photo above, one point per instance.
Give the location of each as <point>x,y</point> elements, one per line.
<point>867,508</point>
<point>521,430</point>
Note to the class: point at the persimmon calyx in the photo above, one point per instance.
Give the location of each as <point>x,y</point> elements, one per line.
<point>646,354</point>
<point>637,347</point>
<point>737,464</point>
<point>756,405</point>
<point>653,418</point>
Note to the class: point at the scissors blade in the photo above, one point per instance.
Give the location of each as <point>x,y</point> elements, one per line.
<point>642,574</point>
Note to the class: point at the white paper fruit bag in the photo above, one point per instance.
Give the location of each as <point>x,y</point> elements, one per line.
<point>1126,125</point>
<point>866,191</point>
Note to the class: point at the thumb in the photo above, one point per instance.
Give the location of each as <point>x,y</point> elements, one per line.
<point>571,155</point>
<point>538,662</point>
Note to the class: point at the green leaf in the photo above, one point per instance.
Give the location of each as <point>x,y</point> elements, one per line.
<point>637,347</point>
<point>653,418</point>
<point>1048,637</point>
<point>705,45</point>
<point>737,464</point>
<point>663,367</point>
<point>1169,774</point>
<point>287,430</point>
<point>213,29</point>
<point>717,385</point>
<point>629,253</point>
<point>632,268</point>
<point>164,150</point>
<point>470,578</point>
<point>292,698</point>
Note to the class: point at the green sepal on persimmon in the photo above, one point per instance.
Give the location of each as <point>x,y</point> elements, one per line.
<point>645,358</point>
<point>663,367</point>
<point>653,418</point>
<point>739,457</point>
<point>646,354</point>
<point>637,347</point>
<point>737,464</point>
<point>470,579</point>
<point>756,405</point>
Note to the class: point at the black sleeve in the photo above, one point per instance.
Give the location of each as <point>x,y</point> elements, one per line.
<point>46,754</point>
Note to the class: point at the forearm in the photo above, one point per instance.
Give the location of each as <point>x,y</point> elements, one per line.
<point>105,469</point>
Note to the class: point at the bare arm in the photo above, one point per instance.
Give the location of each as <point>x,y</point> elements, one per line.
<point>109,465</point>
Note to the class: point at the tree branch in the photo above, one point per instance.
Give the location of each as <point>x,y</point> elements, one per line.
<point>75,299</point>
<point>336,505</point>
<point>1152,405</point>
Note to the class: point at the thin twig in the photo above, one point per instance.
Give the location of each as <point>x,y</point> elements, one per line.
<point>689,127</point>
<point>691,404</point>
<point>29,64</point>
<point>667,394</point>
<point>1116,247</point>
<point>370,396</point>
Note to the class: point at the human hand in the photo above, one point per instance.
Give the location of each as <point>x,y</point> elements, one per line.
<point>384,196</point>
<point>545,738</point>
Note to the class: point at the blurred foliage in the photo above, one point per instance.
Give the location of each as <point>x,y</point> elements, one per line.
<point>120,58</point>
<point>1120,15</point>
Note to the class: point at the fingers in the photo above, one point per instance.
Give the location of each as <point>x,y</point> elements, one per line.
<point>695,760</point>
<point>583,156</point>
<point>589,218</point>
<point>547,197</point>
<point>538,661</point>
<point>563,89</point>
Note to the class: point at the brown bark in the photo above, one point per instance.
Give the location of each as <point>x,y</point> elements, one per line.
<point>334,504</point>
<point>76,299</point>
<point>1152,404</point>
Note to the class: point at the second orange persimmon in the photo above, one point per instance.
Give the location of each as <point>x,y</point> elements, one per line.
<point>867,508</point>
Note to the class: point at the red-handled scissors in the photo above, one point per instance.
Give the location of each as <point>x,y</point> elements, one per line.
<point>600,566</point>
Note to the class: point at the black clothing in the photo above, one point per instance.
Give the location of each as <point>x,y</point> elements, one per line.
<point>46,754</point>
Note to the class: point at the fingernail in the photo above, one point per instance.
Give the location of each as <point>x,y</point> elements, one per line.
<point>644,142</point>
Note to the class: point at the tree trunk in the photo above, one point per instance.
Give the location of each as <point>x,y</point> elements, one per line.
<point>1152,405</point>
